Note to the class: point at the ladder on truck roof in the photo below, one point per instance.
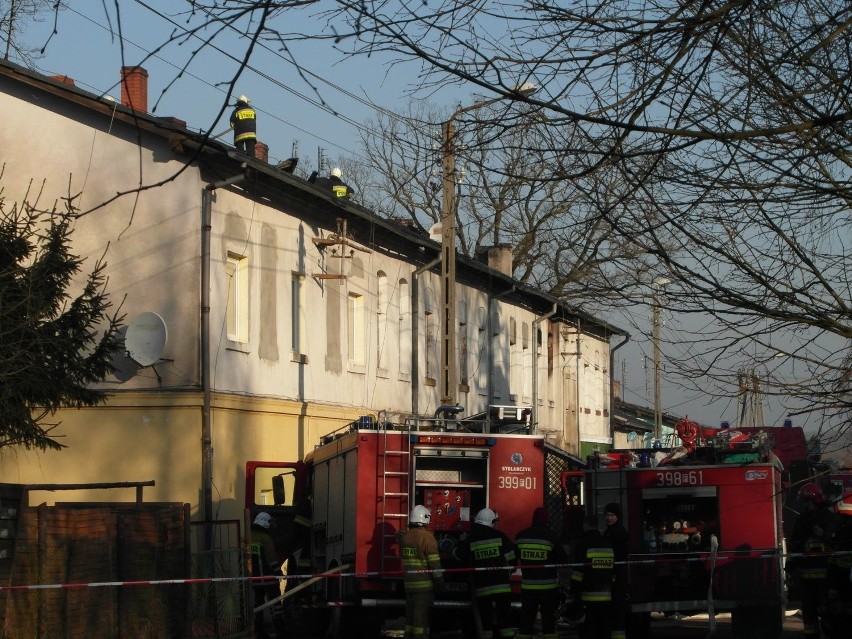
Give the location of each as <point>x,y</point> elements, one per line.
<point>396,483</point>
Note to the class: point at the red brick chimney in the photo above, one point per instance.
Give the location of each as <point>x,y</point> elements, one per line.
<point>134,88</point>
<point>261,151</point>
<point>62,78</point>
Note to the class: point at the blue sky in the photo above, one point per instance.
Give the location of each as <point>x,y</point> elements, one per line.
<point>311,96</point>
<point>314,96</point>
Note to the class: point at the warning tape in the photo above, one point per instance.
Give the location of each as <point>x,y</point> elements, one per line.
<point>703,557</point>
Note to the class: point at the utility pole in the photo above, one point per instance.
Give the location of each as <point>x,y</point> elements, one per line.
<point>659,283</point>
<point>449,382</point>
<point>449,369</point>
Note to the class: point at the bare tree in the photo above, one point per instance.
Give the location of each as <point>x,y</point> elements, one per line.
<point>15,17</point>
<point>711,135</point>
<point>53,343</point>
<point>559,231</point>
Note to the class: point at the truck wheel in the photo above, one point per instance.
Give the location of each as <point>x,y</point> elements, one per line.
<point>639,625</point>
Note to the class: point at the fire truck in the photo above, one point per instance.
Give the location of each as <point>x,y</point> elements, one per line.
<point>705,527</point>
<point>362,482</point>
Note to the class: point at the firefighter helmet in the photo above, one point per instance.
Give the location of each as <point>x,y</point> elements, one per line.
<point>264,520</point>
<point>242,99</point>
<point>486,517</point>
<point>420,516</point>
<point>336,172</point>
<point>812,492</point>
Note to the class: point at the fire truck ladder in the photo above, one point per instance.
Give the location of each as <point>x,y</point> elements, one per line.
<point>396,460</point>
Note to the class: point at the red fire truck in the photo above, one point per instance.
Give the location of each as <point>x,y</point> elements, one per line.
<point>705,528</point>
<point>363,481</point>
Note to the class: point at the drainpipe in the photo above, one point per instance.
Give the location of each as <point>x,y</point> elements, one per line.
<point>611,389</point>
<point>535,323</point>
<point>208,196</point>
<point>415,335</point>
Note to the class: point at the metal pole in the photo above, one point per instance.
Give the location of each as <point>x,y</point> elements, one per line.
<point>449,384</point>
<point>658,416</point>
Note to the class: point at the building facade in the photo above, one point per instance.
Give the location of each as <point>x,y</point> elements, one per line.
<point>277,312</point>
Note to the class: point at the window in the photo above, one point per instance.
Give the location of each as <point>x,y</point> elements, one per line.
<point>463,346</point>
<point>297,313</point>
<point>432,336</point>
<point>381,320</point>
<point>238,297</point>
<point>404,331</point>
<point>356,330</point>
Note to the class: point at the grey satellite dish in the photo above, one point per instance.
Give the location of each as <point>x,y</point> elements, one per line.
<point>146,338</point>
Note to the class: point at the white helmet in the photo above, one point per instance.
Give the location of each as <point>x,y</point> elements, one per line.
<point>243,98</point>
<point>264,520</point>
<point>420,516</point>
<point>335,172</point>
<point>486,517</point>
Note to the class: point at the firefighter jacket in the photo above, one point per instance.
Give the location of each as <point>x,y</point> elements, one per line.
<point>244,123</point>
<point>538,550</point>
<point>593,572</point>
<point>339,187</point>
<point>813,537</point>
<point>617,535</point>
<point>419,555</point>
<point>487,548</point>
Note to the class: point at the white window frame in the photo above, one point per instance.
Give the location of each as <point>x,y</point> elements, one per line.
<point>356,326</point>
<point>237,305</point>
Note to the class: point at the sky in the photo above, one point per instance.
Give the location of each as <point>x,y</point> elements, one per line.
<point>311,100</point>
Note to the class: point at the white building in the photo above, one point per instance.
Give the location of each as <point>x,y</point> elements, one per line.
<point>317,311</point>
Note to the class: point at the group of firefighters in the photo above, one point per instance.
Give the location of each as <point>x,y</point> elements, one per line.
<point>595,580</point>
<point>591,581</point>
<point>596,583</point>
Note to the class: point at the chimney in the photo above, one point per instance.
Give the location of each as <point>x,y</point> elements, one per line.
<point>261,151</point>
<point>62,78</point>
<point>134,88</point>
<point>497,257</point>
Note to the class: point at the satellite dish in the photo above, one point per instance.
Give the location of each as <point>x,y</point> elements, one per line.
<point>631,436</point>
<point>145,339</point>
<point>436,231</point>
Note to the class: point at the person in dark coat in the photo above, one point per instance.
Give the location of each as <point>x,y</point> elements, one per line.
<point>486,548</point>
<point>592,582</point>
<point>616,533</point>
<point>538,551</point>
<point>811,542</point>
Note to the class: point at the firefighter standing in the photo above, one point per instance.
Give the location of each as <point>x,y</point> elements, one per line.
<point>538,550</point>
<point>813,539</point>
<point>244,124</point>
<point>264,563</point>
<point>490,552</point>
<point>419,556</point>
<point>616,533</point>
<point>591,584</point>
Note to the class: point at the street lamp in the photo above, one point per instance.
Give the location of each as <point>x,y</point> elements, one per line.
<point>449,382</point>
<point>659,284</point>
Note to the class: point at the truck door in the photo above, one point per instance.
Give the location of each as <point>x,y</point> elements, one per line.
<point>278,488</point>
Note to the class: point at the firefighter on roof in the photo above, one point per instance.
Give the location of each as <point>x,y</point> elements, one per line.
<point>244,124</point>
<point>812,540</point>
<point>488,548</point>
<point>421,563</point>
